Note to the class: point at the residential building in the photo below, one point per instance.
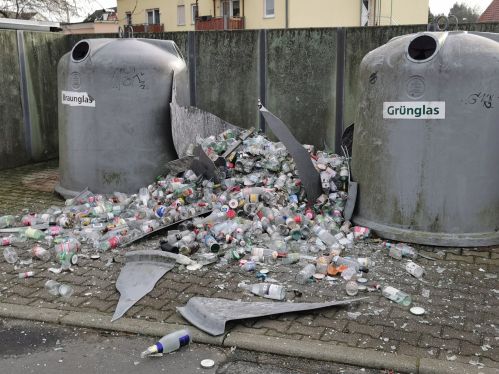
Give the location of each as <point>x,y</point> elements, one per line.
<point>102,21</point>
<point>491,14</point>
<point>186,15</point>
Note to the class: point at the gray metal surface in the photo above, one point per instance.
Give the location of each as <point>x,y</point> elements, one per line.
<point>309,176</point>
<point>189,122</point>
<point>161,228</point>
<point>430,181</point>
<point>123,140</point>
<point>353,188</point>
<point>29,25</point>
<point>143,269</point>
<point>24,92</point>
<point>203,165</point>
<point>211,314</point>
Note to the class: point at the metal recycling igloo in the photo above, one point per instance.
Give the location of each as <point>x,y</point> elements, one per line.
<point>425,149</point>
<point>114,113</point>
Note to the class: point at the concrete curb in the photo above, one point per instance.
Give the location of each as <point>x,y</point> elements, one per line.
<point>303,349</point>
<point>325,352</point>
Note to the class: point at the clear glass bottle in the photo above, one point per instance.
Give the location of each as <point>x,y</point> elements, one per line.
<point>325,236</point>
<point>396,295</point>
<point>267,290</point>
<point>414,269</point>
<point>6,221</point>
<point>10,255</point>
<point>305,274</point>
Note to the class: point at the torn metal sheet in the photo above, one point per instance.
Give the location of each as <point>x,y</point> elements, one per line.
<point>189,122</point>
<point>353,188</point>
<point>214,170</point>
<point>211,314</point>
<point>161,228</point>
<point>139,276</point>
<point>221,160</point>
<point>203,165</point>
<point>179,165</point>
<point>309,176</point>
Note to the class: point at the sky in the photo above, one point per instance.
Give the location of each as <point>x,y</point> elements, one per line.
<point>443,6</point>
<point>436,6</point>
<point>91,6</point>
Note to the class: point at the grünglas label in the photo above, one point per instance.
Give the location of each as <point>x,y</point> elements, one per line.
<point>414,110</point>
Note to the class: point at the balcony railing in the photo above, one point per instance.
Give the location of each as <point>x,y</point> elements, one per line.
<point>219,23</point>
<point>145,27</point>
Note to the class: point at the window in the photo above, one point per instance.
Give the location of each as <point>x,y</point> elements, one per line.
<point>128,18</point>
<point>194,13</point>
<point>181,15</point>
<point>268,8</point>
<point>364,13</point>
<point>236,8</point>
<point>153,16</point>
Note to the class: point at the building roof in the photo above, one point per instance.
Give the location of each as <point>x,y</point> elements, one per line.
<point>491,14</point>
<point>108,14</point>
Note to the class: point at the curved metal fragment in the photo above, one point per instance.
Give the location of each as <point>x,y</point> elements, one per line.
<point>211,314</point>
<point>138,277</point>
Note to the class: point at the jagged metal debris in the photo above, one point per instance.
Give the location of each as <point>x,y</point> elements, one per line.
<point>138,277</point>
<point>203,165</point>
<point>309,176</point>
<point>190,123</point>
<point>163,227</point>
<point>211,314</point>
<point>353,188</point>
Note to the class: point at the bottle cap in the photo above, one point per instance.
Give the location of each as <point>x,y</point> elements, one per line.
<point>319,276</point>
<point>207,363</point>
<point>417,310</point>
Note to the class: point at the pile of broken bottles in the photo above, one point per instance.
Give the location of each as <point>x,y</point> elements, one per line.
<point>257,212</point>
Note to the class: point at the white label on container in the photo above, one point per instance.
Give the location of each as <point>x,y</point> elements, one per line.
<point>414,110</point>
<point>77,99</point>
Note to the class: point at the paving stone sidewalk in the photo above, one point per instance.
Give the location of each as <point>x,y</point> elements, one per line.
<point>460,292</point>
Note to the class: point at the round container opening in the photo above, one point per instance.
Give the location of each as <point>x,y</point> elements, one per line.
<point>80,51</point>
<point>422,48</point>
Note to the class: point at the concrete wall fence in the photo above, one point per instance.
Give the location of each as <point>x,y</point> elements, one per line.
<point>307,77</point>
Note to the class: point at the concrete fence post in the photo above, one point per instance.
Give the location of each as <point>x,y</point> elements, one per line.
<point>262,72</point>
<point>340,86</point>
<point>24,92</point>
<point>191,47</point>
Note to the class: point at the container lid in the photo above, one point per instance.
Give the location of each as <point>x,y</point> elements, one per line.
<point>207,363</point>
<point>417,310</point>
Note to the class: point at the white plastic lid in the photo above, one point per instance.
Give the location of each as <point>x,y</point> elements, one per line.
<point>417,310</point>
<point>207,363</point>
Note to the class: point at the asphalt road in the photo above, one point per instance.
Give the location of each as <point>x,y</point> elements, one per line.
<point>33,347</point>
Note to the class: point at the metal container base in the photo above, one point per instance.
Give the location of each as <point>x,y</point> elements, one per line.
<point>482,239</point>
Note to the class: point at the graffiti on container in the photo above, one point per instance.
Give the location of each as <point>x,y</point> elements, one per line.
<point>481,98</point>
<point>129,77</point>
<point>111,177</point>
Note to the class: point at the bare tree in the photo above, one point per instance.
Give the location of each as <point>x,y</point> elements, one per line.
<point>59,10</point>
